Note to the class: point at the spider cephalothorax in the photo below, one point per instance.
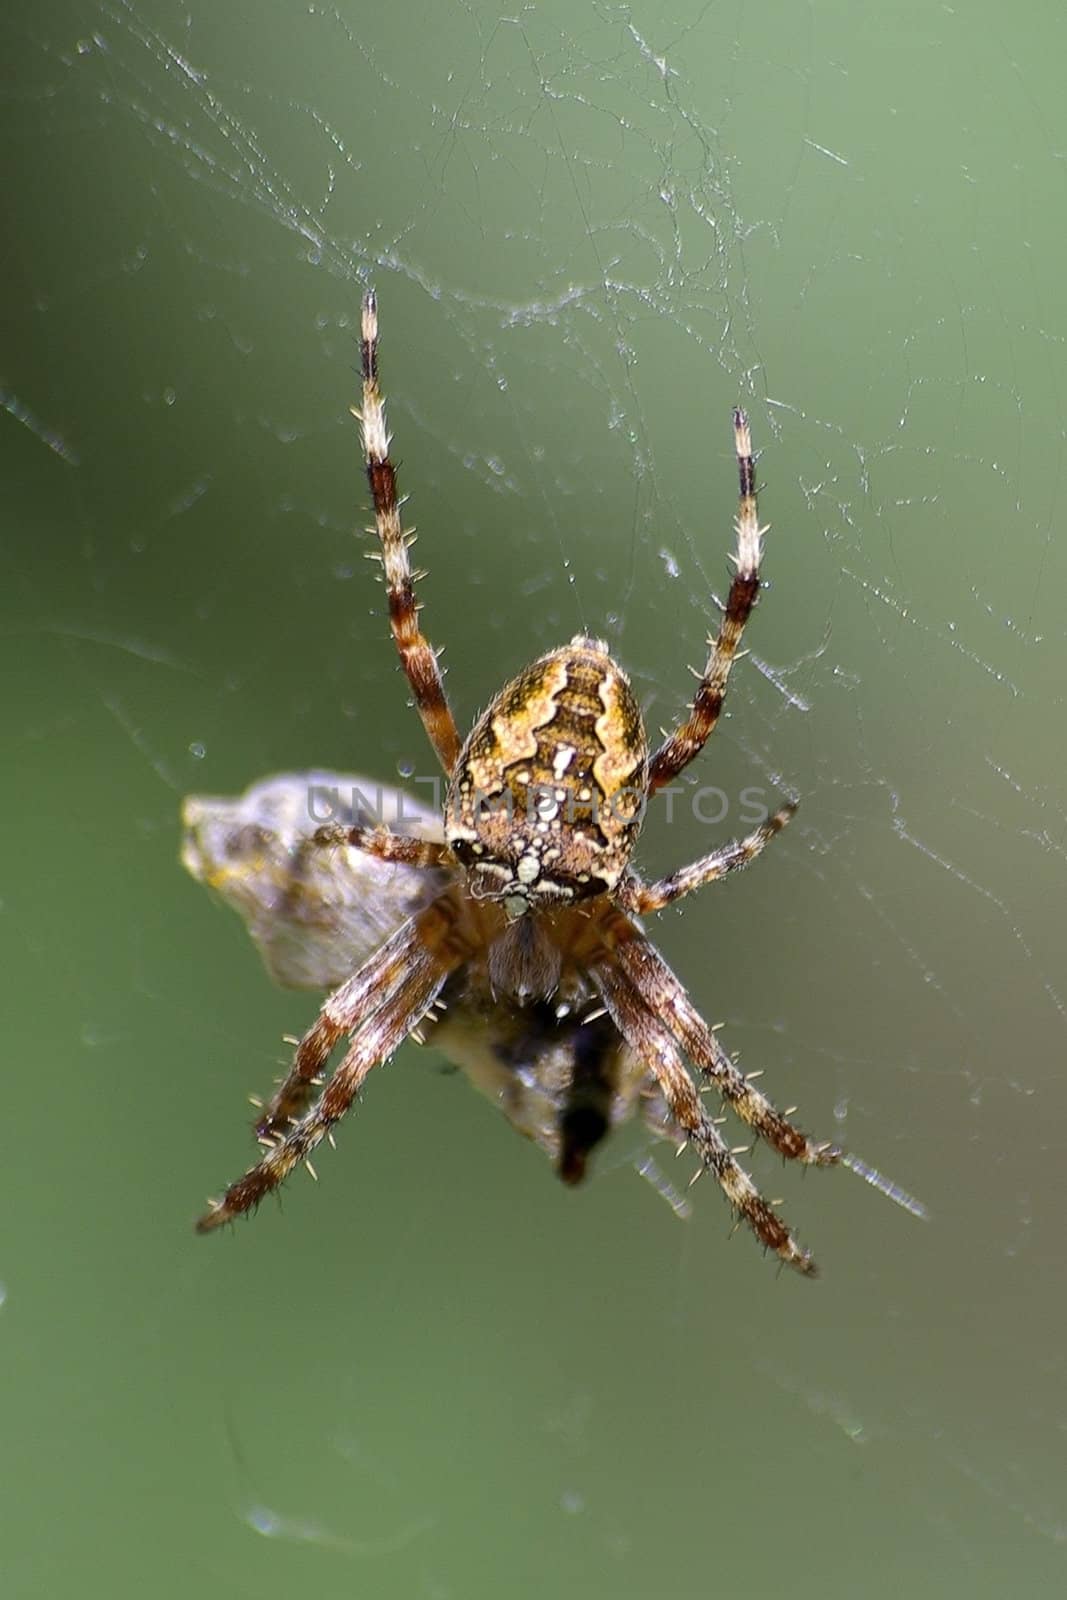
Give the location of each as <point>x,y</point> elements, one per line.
<point>527,927</point>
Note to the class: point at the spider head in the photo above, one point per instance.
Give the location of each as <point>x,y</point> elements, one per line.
<point>548,794</point>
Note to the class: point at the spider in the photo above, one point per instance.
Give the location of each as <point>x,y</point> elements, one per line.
<point>533,904</point>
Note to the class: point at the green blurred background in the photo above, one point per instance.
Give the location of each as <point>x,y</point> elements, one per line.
<point>592,229</point>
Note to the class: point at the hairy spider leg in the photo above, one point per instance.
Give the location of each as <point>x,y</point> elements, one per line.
<point>417,655</point>
<point>641,898</point>
<point>398,847</point>
<point>650,1039</point>
<point>372,985</point>
<point>687,741</point>
<point>646,970</point>
<point>380,1006</point>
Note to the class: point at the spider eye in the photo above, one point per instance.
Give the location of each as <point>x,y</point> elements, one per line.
<point>465,851</point>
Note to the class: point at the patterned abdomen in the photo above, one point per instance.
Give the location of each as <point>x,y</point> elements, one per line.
<point>546,799</point>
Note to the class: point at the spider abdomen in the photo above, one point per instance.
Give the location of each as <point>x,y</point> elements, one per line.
<point>546,798</point>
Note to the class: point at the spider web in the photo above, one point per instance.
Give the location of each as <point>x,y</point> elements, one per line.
<point>592,231</point>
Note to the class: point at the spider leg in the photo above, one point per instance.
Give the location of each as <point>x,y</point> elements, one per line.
<point>676,752</point>
<point>640,898</point>
<point>375,984</point>
<point>646,1034</point>
<point>386,846</point>
<point>417,655</point>
<point>379,1006</point>
<point>650,975</point>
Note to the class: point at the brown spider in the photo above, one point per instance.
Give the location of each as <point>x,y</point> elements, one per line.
<point>532,902</point>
